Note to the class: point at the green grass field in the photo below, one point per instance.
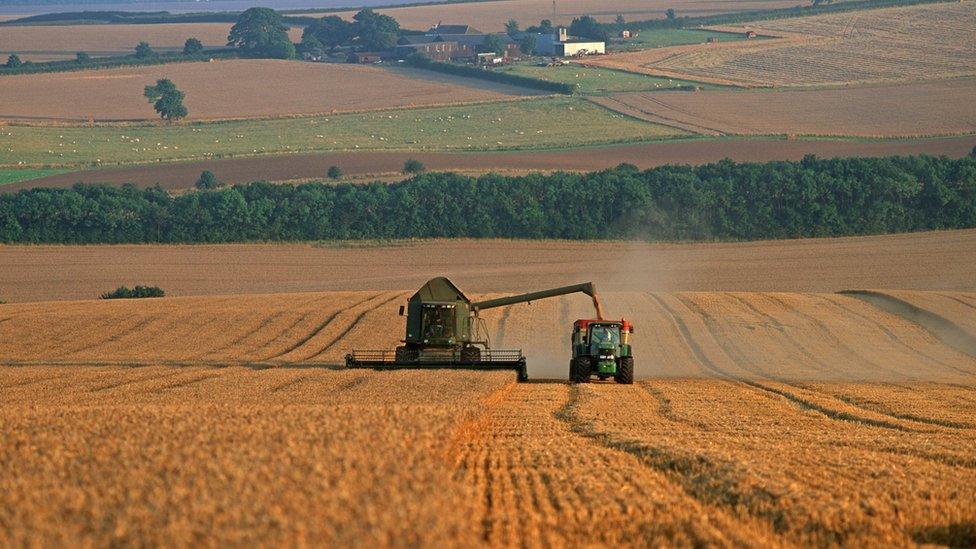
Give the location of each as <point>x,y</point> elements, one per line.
<point>671,37</point>
<point>544,123</point>
<point>16,175</point>
<point>597,81</point>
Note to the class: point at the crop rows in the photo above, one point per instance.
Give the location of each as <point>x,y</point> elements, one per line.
<point>168,454</point>
<point>931,41</point>
<point>917,109</point>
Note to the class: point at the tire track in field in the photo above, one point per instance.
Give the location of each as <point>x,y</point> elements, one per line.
<point>318,329</point>
<point>664,408</point>
<point>709,481</point>
<point>184,383</point>
<point>87,346</point>
<point>823,410</point>
<point>795,399</point>
<point>689,340</point>
<point>891,336</point>
<point>829,335</point>
<point>781,328</point>
<point>125,382</point>
<point>941,328</point>
<point>896,415</point>
<point>734,354</point>
<point>957,299</point>
<point>27,382</point>
<point>359,318</point>
<point>264,324</point>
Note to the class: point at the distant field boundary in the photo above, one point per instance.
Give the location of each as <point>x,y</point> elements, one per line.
<point>692,23</point>
<point>486,74</point>
<point>719,201</point>
<point>72,65</point>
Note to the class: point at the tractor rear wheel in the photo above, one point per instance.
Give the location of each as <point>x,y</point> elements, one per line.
<point>582,370</point>
<point>625,371</point>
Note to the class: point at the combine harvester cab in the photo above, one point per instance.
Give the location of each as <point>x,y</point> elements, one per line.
<point>444,330</point>
<point>602,348</point>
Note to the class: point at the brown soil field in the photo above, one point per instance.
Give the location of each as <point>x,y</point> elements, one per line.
<point>53,42</point>
<point>492,16</point>
<point>904,110</point>
<point>388,165</point>
<point>39,273</point>
<point>234,89</point>
<point>896,44</point>
<point>289,456</point>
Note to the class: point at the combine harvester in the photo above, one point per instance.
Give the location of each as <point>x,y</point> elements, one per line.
<point>444,330</point>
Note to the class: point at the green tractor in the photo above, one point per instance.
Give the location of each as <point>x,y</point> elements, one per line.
<point>602,348</point>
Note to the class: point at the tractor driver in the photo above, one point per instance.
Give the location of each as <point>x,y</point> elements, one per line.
<point>438,323</point>
<point>604,335</point>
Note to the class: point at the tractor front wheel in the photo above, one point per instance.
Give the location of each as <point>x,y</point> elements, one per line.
<point>625,371</point>
<point>582,370</point>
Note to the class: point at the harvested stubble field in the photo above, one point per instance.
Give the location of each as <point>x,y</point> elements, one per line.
<point>521,124</point>
<point>47,273</point>
<point>56,42</point>
<point>918,109</point>
<point>808,419</point>
<point>235,89</point>
<point>492,16</point>
<point>896,44</point>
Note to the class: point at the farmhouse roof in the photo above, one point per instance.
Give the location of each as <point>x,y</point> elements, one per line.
<point>453,29</point>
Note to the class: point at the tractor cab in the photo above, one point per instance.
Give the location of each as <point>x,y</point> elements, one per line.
<point>602,348</point>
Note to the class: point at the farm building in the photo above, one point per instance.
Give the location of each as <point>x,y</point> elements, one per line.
<point>366,57</point>
<point>439,29</point>
<point>439,50</point>
<point>453,43</point>
<point>560,44</point>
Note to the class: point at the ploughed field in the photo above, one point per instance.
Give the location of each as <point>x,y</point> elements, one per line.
<point>47,273</point>
<point>234,89</point>
<point>906,110</point>
<point>761,418</point>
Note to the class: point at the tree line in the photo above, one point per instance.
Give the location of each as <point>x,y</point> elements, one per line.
<point>813,197</point>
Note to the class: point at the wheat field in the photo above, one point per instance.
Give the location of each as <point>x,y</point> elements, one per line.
<point>763,419</point>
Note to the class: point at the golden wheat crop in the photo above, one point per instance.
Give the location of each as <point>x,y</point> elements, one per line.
<point>207,455</point>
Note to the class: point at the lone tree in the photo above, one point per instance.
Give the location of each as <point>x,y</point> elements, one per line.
<point>512,28</point>
<point>413,166</point>
<point>144,50</point>
<point>13,61</point>
<point>375,31</point>
<point>528,43</point>
<point>261,32</point>
<point>588,27</point>
<point>167,100</point>
<point>331,32</point>
<point>335,172</point>
<point>671,14</point>
<point>208,181</point>
<point>192,46</point>
<point>82,57</point>
<point>494,43</point>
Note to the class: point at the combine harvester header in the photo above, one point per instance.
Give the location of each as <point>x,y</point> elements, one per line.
<point>444,330</point>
